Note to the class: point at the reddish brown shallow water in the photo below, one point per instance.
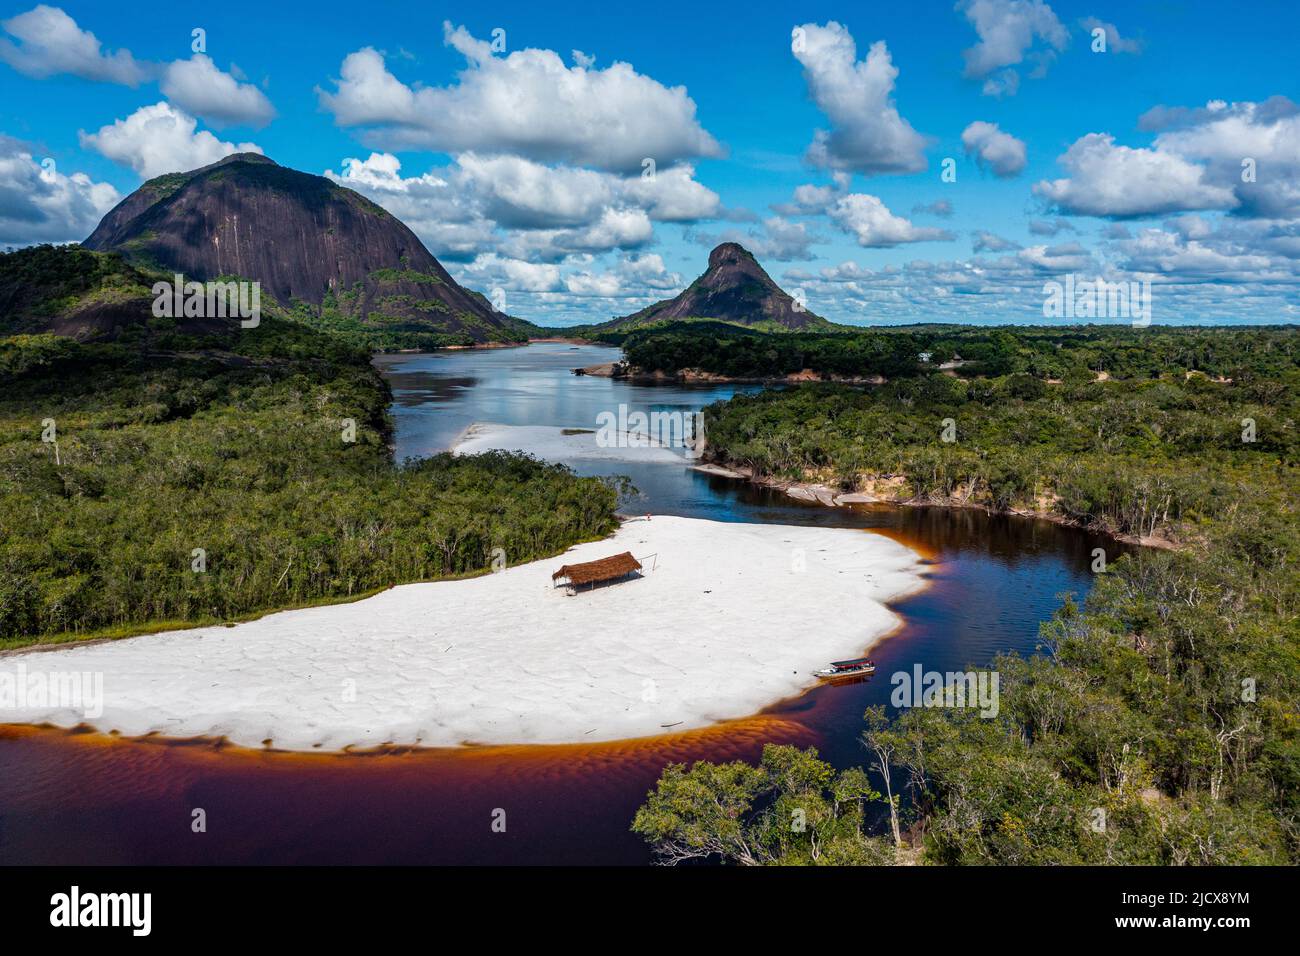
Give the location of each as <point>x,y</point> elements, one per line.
<point>89,799</point>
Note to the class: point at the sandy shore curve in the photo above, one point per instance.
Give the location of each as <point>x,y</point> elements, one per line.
<point>727,619</point>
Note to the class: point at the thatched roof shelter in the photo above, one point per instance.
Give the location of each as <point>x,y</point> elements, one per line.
<point>599,572</point>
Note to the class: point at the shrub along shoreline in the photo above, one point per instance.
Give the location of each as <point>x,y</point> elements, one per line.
<point>831,497</point>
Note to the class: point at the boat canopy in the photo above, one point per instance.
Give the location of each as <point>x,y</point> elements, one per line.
<point>856,662</point>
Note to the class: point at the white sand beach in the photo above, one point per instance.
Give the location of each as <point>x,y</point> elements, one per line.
<point>727,619</point>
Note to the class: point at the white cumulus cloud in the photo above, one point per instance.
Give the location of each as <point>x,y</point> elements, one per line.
<point>528,103</point>
<point>1231,139</point>
<point>160,139</point>
<point>197,86</point>
<point>545,212</point>
<point>1009,32</point>
<point>38,203</point>
<point>1162,252</point>
<point>867,133</point>
<point>999,152</point>
<point>1120,181</point>
<point>490,270</point>
<point>50,42</point>
<point>874,226</point>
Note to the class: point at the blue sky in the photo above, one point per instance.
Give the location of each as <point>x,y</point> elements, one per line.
<point>521,167</point>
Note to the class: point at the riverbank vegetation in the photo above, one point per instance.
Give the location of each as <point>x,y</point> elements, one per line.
<point>173,473</point>
<point>968,351</point>
<point>1161,722</point>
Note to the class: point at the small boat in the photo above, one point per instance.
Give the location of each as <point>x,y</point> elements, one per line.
<point>858,667</point>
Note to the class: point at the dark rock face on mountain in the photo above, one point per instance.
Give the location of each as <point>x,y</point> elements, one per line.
<point>335,257</point>
<point>734,288</point>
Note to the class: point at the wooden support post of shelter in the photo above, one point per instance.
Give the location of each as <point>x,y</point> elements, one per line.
<point>594,573</point>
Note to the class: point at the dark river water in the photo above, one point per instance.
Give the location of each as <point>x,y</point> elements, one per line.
<point>89,799</point>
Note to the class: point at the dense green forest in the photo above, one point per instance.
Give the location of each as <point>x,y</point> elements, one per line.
<point>617,331</point>
<point>1167,706</point>
<point>161,474</point>
<point>1046,353</point>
